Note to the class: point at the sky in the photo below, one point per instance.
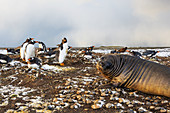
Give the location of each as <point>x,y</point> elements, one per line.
<point>132,23</point>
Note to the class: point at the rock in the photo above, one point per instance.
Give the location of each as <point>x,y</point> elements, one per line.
<point>148,103</point>
<point>88,101</point>
<point>70,100</point>
<point>55,100</point>
<point>120,100</point>
<point>95,106</point>
<point>104,94</point>
<point>40,111</point>
<point>152,107</point>
<point>67,83</point>
<point>158,108</point>
<point>164,102</point>
<point>4,103</point>
<point>101,98</point>
<point>141,110</point>
<point>168,111</point>
<point>147,98</point>
<point>36,105</point>
<point>163,110</point>
<point>75,106</point>
<point>50,107</point>
<point>78,92</point>
<point>86,92</point>
<point>47,111</point>
<point>79,97</point>
<point>109,105</point>
<point>62,96</point>
<point>10,111</point>
<point>130,105</point>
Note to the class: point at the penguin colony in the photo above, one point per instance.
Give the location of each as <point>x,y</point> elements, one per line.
<point>32,56</point>
<point>29,54</point>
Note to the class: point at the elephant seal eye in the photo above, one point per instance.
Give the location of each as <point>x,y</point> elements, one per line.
<point>106,65</point>
<point>102,58</point>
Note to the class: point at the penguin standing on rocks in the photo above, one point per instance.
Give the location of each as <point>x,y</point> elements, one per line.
<point>63,49</point>
<point>22,48</point>
<point>4,59</point>
<point>30,50</point>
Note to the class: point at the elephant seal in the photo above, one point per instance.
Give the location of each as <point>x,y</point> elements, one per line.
<point>135,73</point>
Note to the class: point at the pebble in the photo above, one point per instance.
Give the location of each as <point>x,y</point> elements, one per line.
<point>109,105</point>
<point>70,100</point>
<point>88,101</point>
<point>10,111</point>
<point>130,105</point>
<point>96,106</point>
<point>152,107</point>
<point>164,102</point>
<point>158,108</point>
<point>163,110</point>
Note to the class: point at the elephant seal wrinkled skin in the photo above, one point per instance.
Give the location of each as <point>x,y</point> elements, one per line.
<point>135,73</point>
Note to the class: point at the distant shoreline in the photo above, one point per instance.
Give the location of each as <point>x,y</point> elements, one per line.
<point>107,47</point>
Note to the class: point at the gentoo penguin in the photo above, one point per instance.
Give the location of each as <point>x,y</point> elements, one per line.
<point>122,50</point>
<point>134,53</point>
<point>4,59</point>
<point>114,51</point>
<point>63,49</point>
<point>51,53</point>
<point>10,51</point>
<point>22,49</point>
<point>90,48</point>
<point>30,50</point>
<point>42,48</point>
<point>151,53</point>
<point>34,62</point>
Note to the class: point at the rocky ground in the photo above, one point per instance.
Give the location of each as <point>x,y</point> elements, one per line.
<point>75,87</point>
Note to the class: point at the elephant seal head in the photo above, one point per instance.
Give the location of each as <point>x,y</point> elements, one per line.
<point>111,66</point>
<point>105,66</point>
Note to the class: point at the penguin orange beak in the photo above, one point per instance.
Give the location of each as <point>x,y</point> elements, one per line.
<point>36,42</point>
<point>5,48</point>
<point>32,38</point>
<point>127,51</point>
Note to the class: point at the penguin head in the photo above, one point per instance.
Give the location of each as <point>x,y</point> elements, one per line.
<point>29,39</point>
<point>64,40</point>
<point>33,42</point>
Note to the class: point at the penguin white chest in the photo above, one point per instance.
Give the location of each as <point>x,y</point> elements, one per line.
<point>22,50</point>
<point>30,52</point>
<point>63,53</point>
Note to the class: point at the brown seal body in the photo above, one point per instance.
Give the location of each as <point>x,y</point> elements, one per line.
<point>136,73</point>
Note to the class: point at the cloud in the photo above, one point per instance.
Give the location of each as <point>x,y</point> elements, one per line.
<point>86,22</point>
